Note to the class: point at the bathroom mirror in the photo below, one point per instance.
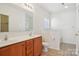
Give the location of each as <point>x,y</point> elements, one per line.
<point>13,18</point>
<point>29,23</point>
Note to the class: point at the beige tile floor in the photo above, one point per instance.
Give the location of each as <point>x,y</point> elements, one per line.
<point>65,50</point>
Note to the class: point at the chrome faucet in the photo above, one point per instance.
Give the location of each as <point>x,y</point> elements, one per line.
<point>5,38</point>
<point>30,34</point>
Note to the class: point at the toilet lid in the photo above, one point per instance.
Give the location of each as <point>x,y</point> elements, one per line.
<point>45,43</point>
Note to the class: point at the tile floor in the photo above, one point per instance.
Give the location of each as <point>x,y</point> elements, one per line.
<point>65,50</point>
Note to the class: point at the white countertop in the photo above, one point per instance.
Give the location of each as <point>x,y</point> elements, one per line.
<point>16,39</point>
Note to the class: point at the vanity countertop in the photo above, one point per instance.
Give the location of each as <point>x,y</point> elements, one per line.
<point>17,39</point>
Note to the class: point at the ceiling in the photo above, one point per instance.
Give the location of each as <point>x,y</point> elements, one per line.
<point>55,7</point>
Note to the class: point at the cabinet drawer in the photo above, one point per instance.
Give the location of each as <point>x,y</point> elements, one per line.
<point>29,42</point>
<point>29,47</point>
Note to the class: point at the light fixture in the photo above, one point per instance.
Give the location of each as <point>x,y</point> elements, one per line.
<point>28,5</point>
<point>65,6</point>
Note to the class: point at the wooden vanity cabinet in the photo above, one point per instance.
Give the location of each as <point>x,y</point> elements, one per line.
<point>37,46</point>
<point>32,47</point>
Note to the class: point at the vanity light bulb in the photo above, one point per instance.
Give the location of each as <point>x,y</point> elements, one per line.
<point>66,6</point>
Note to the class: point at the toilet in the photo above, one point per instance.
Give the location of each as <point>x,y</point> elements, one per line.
<point>45,45</point>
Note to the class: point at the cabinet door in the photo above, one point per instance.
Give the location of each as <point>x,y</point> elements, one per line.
<point>4,51</point>
<point>37,46</point>
<point>29,47</point>
<point>17,49</point>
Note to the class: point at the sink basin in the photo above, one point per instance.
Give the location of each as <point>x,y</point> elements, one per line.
<point>2,38</point>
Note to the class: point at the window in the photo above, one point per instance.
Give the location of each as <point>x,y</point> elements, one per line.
<point>46,23</point>
<point>54,23</point>
<point>51,23</point>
